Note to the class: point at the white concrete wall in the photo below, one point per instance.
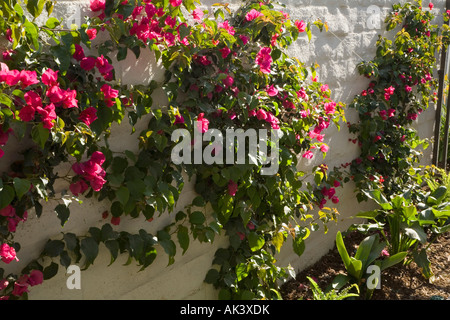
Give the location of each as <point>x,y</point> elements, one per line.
<point>338,51</point>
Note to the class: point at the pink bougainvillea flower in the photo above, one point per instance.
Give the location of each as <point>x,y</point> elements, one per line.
<point>36,277</point>
<point>87,63</point>
<point>252,113</point>
<point>288,104</point>
<point>28,78</point>
<point>4,135</point>
<point>388,92</point>
<point>91,170</point>
<point>431,6</point>
<point>91,33</point>
<point>50,77</point>
<point>253,14</point>
<point>88,115</point>
<point>264,59</point>
<point>261,114</point>
<point>27,113</point>
<point>335,200</point>
<point>226,26</point>
<point>97,5</point>
<point>8,35</point>
<point>33,99</point>
<point>8,253</point>
<point>301,25</point>
<point>169,38</point>
<point>115,221</point>
<point>11,77</point>
<point>97,183</point>
<point>20,286</point>
<point>273,41</point>
<point>55,94</point>
<point>70,100</point>
<point>3,284</point>
<point>232,188</point>
<point>302,94</point>
<point>228,81</point>
<point>8,54</point>
<point>79,53</point>
<point>203,124</point>
<point>324,88</point>
<point>330,107</point>
<point>98,157</point>
<point>244,39</point>
<point>197,14</point>
<point>271,91</point>
<point>179,119</point>
<point>408,88</point>
<point>150,10</point>
<point>47,114</point>
<point>203,60</point>
<point>109,94</point>
<point>171,22</point>
<point>324,148</point>
<point>8,211</point>
<point>78,187</point>
<point>308,155</point>
<point>175,3</point>
<point>103,65</point>
<point>225,51</point>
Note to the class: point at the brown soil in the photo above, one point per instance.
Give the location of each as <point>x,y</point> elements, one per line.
<point>397,283</point>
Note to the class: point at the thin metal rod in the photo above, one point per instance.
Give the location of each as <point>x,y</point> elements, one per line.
<point>437,127</point>
<point>446,130</point>
<point>437,133</point>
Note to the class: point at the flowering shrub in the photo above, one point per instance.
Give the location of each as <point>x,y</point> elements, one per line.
<point>387,172</point>
<point>401,88</point>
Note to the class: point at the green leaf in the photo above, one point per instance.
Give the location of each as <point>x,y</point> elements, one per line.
<point>7,195</point>
<point>197,218</point>
<point>368,214</point>
<point>50,271</point>
<point>422,261</point>
<point>89,247</point>
<point>299,246</point>
<point>53,248</point>
<point>168,245</point>
<point>415,231</point>
<point>342,250</point>
<point>35,7</point>
<point>40,135</point>
<point>123,195</point>
<point>113,247</point>
<point>63,213</point>
<point>212,276</point>
<point>136,245</point>
<point>255,241</point>
<point>183,238</point>
<point>392,260</point>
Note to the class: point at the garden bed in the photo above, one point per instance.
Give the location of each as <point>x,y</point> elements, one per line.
<point>397,283</point>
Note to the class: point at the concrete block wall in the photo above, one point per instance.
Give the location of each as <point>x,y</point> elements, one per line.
<point>354,27</point>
